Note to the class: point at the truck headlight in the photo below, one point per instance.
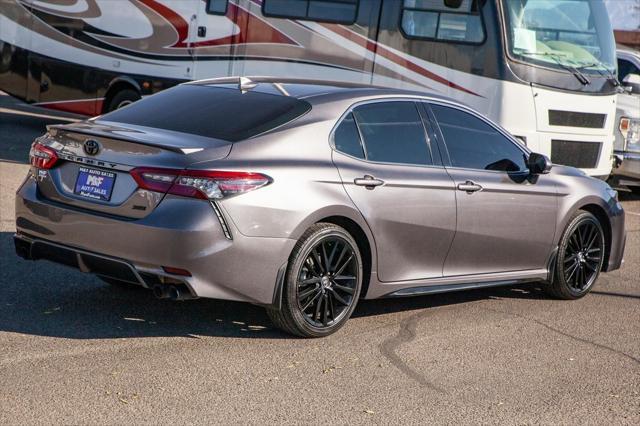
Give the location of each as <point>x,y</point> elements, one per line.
<point>630,129</point>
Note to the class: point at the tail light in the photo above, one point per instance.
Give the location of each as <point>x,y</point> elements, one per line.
<point>42,157</point>
<point>203,184</point>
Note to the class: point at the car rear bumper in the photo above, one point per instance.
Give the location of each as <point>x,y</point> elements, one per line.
<point>180,233</point>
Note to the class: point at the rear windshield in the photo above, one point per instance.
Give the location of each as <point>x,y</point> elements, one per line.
<point>215,112</point>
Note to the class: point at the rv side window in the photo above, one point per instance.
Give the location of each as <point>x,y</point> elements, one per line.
<point>217,7</point>
<point>338,11</point>
<point>444,20</point>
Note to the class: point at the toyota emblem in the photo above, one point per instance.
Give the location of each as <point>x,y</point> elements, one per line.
<point>91,147</point>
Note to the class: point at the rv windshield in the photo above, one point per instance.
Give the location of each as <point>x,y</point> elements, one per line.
<point>573,34</point>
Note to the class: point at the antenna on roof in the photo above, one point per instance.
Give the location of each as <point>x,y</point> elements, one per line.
<point>245,84</point>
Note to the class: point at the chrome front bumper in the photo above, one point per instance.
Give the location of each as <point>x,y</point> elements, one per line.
<point>628,172</point>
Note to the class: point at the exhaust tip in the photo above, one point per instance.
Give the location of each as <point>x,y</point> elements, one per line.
<point>174,293</point>
<point>177,293</point>
<point>161,291</point>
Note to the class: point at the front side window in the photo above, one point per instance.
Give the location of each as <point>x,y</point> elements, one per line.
<point>561,33</point>
<point>446,20</point>
<point>625,68</point>
<point>338,11</point>
<point>474,144</point>
<point>393,132</point>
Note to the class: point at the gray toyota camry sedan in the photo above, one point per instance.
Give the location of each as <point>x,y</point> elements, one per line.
<point>305,197</point>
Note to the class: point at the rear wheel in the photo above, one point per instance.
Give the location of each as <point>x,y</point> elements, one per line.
<point>322,284</point>
<point>122,98</point>
<point>580,257</point>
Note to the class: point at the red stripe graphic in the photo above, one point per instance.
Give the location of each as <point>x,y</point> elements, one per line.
<point>252,30</point>
<point>89,107</point>
<point>181,26</point>
<point>383,51</point>
<point>388,54</point>
<point>261,31</point>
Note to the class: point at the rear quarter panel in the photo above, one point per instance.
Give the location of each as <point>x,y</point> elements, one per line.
<point>305,188</point>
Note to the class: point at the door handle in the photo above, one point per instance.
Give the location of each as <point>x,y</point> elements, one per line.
<point>469,187</point>
<point>368,181</point>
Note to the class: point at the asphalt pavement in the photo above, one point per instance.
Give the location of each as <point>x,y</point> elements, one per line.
<point>75,350</point>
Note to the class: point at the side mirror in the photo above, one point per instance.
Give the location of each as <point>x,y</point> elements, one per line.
<point>538,164</point>
<point>631,84</point>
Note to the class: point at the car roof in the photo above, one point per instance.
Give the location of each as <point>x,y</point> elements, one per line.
<point>316,91</point>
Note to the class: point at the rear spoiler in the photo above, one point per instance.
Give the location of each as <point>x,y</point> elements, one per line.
<point>95,129</point>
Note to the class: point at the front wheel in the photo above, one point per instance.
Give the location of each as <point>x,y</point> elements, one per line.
<point>322,284</point>
<point>580,257</point>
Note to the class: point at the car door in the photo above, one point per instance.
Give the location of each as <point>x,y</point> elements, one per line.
<point>394,175</point>
<point>506,217</point>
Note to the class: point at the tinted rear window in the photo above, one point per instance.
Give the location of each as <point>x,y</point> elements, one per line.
<point>221,113</point>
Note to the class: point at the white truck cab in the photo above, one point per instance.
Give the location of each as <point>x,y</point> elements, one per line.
<point>627,129</point>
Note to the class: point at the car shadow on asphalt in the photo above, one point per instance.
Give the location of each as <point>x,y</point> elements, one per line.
<point>46,299</point>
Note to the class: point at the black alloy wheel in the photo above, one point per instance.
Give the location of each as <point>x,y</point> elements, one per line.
<point>323,283</point>
<point>327,281</point>
<point>580,257</point>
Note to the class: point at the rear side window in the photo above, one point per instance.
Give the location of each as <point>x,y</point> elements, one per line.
<point>474,144</point>
<point>393,132</point>
<point>215,112</point>
<point>339,11</point>
<point>447,20</point>
<point>347,139</point>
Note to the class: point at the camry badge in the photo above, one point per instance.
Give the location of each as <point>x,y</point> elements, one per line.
<point>91,147</point>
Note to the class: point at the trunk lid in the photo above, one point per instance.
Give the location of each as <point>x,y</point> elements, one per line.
<point>101,180</point>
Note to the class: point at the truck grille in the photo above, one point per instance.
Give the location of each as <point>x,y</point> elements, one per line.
<point>576,119</point>
<point>584,155</point>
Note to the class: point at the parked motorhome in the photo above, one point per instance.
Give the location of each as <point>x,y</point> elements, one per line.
<point>543,69</point>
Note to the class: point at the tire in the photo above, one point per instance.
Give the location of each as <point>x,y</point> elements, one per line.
<point>122,98</point>
<point>317,300</point>
<point>580,257</point>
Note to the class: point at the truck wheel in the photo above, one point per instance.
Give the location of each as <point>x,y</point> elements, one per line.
<point>122,99</point>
